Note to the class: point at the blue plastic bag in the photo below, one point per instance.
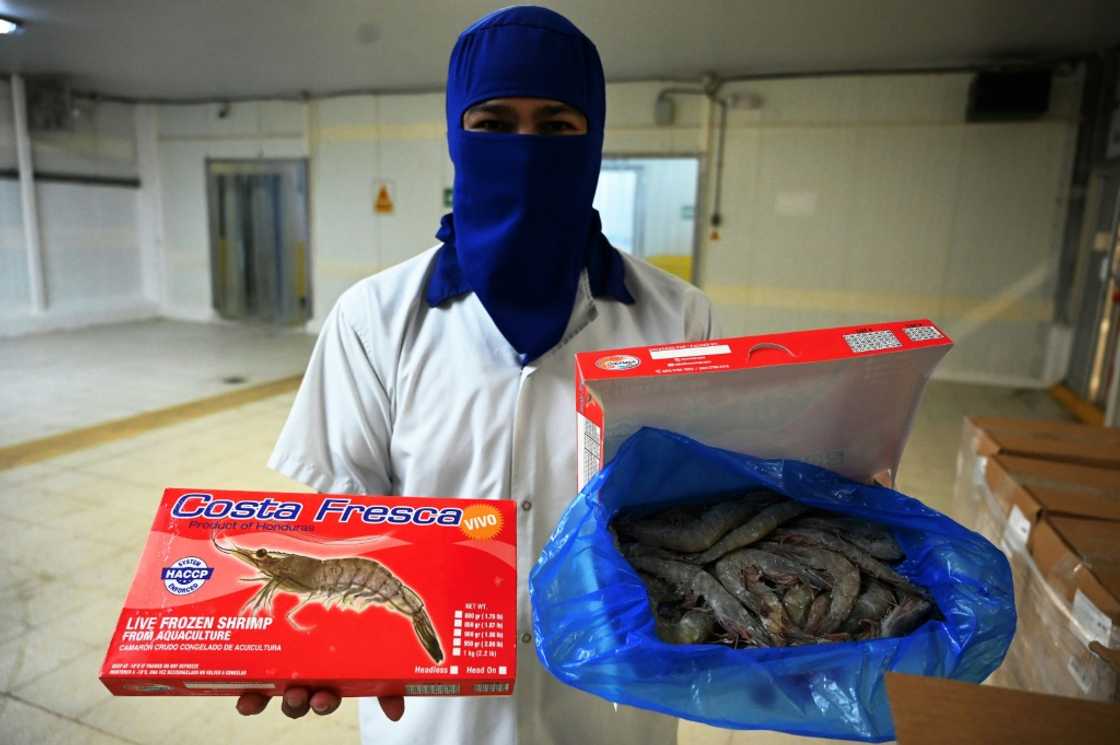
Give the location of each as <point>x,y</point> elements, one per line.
<point>594,629</point>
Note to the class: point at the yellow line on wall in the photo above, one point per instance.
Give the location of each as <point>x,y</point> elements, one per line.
<point>33,451</point>
<point>1012,308</point>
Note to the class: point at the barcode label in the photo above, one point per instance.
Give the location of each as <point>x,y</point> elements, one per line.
<point>922,333</point>
<point>590,454</point>
<point>431,689</point>
<point>871,341</point>
<point>1089,622</point>
<point>491,688</point>
<point>1079,673</point>
<point>1018,529</point>
<point>704,351</point>
<point>229,686</point>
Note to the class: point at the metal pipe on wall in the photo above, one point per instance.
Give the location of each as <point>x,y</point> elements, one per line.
<point>717,198</point>
<point>710,91</point>
<point>37,288</point>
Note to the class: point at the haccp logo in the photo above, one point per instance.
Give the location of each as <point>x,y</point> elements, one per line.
<point>616,362</point>
<point>186,575</point>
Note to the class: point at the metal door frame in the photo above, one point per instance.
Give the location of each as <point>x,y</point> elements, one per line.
<point>637,230</point>
<point>697,227</point>
<point>263,166</point>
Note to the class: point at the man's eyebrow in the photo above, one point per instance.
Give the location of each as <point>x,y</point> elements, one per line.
<point>492,108</point>
<point>544,112</point>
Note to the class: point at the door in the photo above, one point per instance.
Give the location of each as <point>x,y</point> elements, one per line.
<point>648,209</point>
<point>1097,294</point>
<point>259,263</point>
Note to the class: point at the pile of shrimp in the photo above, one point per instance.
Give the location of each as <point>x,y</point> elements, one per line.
<point>760,570</point>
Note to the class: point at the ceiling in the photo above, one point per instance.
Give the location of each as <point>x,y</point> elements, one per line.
<point>233,48</point>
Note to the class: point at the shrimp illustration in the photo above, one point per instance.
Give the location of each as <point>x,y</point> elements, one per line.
<point>349,581</point>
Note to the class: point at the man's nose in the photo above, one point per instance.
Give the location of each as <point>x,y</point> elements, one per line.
<point>526,128</point>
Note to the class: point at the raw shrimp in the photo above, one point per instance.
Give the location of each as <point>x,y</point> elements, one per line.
<point>908,615</point>
<point>873,539</point>
<point>874,602</point>
<point>869,565</point>
<point>659,590</point>
<point>753,531</point>
<point>688,533</point>
<point>818,609</point>
<point>745,583</point>
<point>796,601</point>
<point>845,582</point>
<point>694,626</point>
<point>694,583</point>
<point>742,573</point>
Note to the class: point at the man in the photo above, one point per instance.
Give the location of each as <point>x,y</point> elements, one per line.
<point>451,374</point>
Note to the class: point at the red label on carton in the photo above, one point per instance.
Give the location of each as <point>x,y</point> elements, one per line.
<point>368,596</point>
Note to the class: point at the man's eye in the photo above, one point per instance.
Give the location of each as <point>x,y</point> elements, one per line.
<point>558,126</point>
<point>491,125</point>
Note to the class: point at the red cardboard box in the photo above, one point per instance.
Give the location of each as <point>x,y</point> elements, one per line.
<point>369,596</point>
<point>842,398</point>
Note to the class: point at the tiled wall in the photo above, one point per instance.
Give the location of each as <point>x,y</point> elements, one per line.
<point>844,200</point>
<point>187,136</point>
<point>354,144</point>
<point>87,232</point>
<point>854,200</point>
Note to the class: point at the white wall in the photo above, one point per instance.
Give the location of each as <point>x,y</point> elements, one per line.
<point>15,296</point>
<point>90,251</point>
<point>846,200</point>
<point>854,200</point>
<point>187,136</point>
<point>360,141</point>
<point>353,143</point>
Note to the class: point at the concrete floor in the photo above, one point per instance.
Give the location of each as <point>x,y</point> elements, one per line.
<point>130,368</point>
<point>73,527</point>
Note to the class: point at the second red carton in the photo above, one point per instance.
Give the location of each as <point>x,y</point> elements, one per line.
<point>842,398</point>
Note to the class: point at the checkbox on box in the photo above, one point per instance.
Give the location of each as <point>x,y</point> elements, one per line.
<point>458,632</point>
<point>458,614</point>
<point>458,622</point>
<point>454,669</point>
<point>456,651</point>
<point>502,669</point>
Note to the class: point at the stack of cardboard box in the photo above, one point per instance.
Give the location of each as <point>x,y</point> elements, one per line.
<point>1048,494</point>
<point>934,711</point>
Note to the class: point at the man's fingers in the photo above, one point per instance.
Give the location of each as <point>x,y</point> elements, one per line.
<point>324,702</point>
<point>393,706</point>
<point>292,711</point>
<point>296,702</point>
<point>249,704</point>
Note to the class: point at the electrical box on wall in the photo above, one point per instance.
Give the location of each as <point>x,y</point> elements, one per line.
<point>1009,96</point>
<point>50,107</point>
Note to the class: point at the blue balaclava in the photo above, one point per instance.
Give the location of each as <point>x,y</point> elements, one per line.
<point>523,229</point>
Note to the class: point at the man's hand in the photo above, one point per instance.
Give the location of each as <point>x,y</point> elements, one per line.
<point>298,701</point>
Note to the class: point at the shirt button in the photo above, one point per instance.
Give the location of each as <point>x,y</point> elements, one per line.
<point>526,505</point>
<point>526,637</point>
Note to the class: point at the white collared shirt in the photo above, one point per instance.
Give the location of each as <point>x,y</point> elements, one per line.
<point>401,398</point>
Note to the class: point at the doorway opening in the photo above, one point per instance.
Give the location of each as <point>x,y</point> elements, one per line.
<point>648,209</point>
<point>1092,371</point>
<point>259,262</point>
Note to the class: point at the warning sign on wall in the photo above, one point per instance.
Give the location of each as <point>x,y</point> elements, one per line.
<point>383,200</point>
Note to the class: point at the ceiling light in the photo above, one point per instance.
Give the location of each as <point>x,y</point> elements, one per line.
<point>10,25</point>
